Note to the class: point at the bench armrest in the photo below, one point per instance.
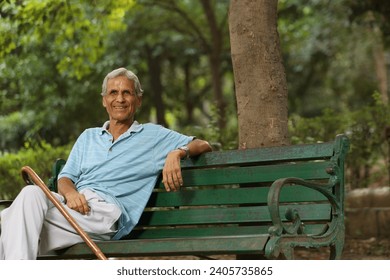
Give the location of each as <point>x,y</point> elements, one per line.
<point>292,215</point>
<point>285,236</point>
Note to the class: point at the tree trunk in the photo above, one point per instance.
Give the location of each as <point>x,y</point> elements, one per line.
<point>259,75</point>
<point>154,66</point>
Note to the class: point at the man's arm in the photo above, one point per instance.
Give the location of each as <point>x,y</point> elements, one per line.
<point>172,177</point>
<point>73,199</point>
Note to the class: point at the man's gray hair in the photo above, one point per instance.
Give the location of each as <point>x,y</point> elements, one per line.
<point>122,72</point>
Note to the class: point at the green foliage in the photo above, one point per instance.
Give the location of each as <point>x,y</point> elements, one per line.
<point>54,55</point>
<point>366,128</point>
<point>327,55</point>
<point>213,134</point>
<point>73,31</point>
<point>39,157</point>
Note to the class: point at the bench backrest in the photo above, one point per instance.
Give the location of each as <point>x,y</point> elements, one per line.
<point>226,192</point>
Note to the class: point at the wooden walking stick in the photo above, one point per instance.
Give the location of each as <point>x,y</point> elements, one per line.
<point>31,177</point>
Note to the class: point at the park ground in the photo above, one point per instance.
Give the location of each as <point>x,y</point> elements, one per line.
<point>367,249</point>
<point>354,249</point>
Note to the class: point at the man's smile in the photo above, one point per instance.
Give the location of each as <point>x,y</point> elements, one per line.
<point>120,107</point>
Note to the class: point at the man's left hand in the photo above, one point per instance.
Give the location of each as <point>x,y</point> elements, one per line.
<point>172,177</point>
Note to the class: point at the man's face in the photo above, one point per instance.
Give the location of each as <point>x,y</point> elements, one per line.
<point>121,100</point>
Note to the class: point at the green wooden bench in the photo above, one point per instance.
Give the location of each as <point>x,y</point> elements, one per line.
<point>256,202</point>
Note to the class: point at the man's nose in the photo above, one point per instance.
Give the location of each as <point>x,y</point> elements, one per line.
<point>120,97</point>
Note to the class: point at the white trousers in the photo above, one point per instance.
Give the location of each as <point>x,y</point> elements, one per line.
<point>33,224</point>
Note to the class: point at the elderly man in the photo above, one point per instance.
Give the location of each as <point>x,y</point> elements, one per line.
<point>107,179</point>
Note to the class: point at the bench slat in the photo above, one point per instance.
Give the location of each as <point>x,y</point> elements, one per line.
<point>263,155</point>
<point>254,174</point>
<point>220,215</point>
<point>181,232</point>
<point>243,244</point>
<point>231,196</point>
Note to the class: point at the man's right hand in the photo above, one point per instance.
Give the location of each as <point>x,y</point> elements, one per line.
<point>77,202</point>
<point>73,199</point>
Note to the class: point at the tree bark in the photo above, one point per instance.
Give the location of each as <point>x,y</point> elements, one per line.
<point>154,66</point>
<point>259,75</point>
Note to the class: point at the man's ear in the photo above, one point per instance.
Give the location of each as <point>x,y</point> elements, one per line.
<point>139,101</point>
<point>104,102</point>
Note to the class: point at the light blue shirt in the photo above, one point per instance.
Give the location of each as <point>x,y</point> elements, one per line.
<point>124,172</point>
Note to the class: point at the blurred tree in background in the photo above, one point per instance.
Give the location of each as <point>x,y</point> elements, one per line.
<point>337,62</point>
<point>54,55</point>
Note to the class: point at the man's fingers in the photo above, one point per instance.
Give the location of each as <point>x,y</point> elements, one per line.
<point>79,204</point>
<point>84,204</point>
<point>167,180</point>
<point>172,181</point>
<point>172,177</point>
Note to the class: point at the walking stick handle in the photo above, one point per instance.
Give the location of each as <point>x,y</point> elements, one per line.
<point>30,176</point>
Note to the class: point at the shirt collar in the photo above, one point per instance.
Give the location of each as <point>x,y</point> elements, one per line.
<point>135,127</point>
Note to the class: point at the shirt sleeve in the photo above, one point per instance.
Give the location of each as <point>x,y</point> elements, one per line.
<point>167,141</point>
